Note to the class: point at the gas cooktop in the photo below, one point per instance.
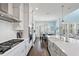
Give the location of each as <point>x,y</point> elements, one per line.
<point>4,49</point>
<point>8,45</point>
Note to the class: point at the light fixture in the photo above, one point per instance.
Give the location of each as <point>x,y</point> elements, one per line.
<point>69,8</point>
<point>36,8</point>
<point>61,20</point>
<point>1,15</point>
<point>62,12</point>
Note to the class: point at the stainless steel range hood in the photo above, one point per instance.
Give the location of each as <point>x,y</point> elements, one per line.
<point>7,17</point>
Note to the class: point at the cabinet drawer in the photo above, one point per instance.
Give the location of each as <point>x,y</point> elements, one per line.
<point>17,50</point>
<point>49,43</point>
<point>55,46</point>
<point>57,50</point>
<point>53,53</point>
<point>62,53</point>
<point>9,54</point>
<point>20,49</point>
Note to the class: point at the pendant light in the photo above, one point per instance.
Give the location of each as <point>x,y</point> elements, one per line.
<point>62,13</point>
<point>61,20</point>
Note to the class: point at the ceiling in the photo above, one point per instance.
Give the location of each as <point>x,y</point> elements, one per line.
<point>52,11</point>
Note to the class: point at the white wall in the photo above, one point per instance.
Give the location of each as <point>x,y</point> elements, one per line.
<point>6,31</point>
<point>30,16</point>
<point>26,20</point>
<point>43,17</point>
<point>42,27</point>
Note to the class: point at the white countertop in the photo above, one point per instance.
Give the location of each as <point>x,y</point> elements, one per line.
<point>70,48</point>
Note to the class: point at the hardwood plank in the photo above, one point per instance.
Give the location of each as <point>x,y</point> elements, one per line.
<point>39,49</point>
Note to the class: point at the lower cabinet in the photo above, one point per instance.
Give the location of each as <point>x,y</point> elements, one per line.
<point>62,54</point>
<point>55,50</point>
<point>28,47</point>
<point>18,50</point>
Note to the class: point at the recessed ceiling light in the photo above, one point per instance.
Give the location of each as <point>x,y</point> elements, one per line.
<point>36,8</point>
<point>62,5</point>
<point>1,15</point>
<point>69,8</point>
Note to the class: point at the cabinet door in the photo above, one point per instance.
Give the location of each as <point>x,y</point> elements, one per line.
<point>4,7</point>
<point>11,53</point>
<point>57,50</point>
<point>16,10</point>
<point>54,50</point>
<point>62,53</point>
<point>20,50</point>
<point>53,53</point>
<point>49,46</point>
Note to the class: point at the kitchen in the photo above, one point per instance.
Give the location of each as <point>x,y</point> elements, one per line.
<point>13,29</point>
<point>23,24</point>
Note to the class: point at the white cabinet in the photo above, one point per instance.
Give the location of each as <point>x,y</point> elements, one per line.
<point>54,49</point>
<point>62,53</point>
<point>51,48</point>
<point>16,10</point>
<point>28,46</point>
<point>33,37</point>
<point>13,9</point>
<point>4,7</point>
<point>10,8</point>
<point>6,12</point>
<point>18,50</point>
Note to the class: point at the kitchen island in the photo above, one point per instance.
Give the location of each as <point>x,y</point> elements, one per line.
<point>59,47</point>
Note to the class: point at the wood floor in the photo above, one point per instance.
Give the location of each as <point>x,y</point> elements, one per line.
<point>39,49</point>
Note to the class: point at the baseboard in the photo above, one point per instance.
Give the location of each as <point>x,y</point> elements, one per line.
<point>29,51</point>
<point>48,52</point>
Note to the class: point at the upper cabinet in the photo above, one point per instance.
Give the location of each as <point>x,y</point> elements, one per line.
<point>4,7</point>
<point>6,12</point>
<point>16,10</point>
